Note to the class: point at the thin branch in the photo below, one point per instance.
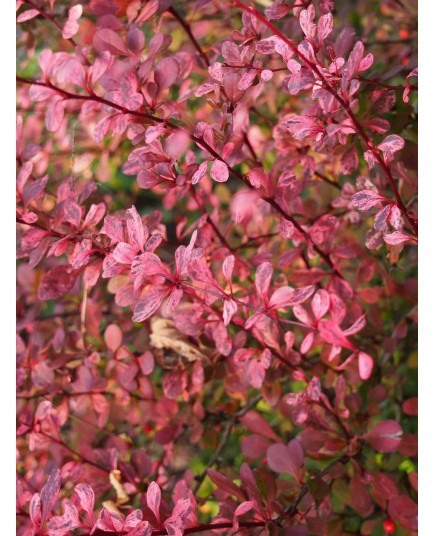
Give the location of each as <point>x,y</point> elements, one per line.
<point>188,31</point>
<point>329,181</point>
<point>292,509</point>
<point>386,86</point>
<point>225,438</point>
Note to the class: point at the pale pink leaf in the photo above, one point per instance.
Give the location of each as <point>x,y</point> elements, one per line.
<point>229,309</point>
<point>124,253</point>
<point>27,15</point>
<point>87,498</point>
<point>153,499</point>
<point>136,232</point>
<point>325,26</point>
<point>288,297</point>
<point>147,306</point>
<point>320,303</point>
<point>55,114</point>
<point>71,26</point>
<point>390,145</point>
<point>263,278</point>
<point>100,66</point>
<point>228,268</point>
<point>396,238</point>
<point>219,171</point>
<point>366,364</point>
<point>200,173</point>
<point>49,493</point>
<point>113,337</point>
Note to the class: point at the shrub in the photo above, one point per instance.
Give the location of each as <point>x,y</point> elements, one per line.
<point>217,230</point>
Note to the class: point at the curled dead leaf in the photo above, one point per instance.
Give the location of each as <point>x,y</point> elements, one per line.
<point>112,508</point>
<point>121,495</point>
<point>165,336</point>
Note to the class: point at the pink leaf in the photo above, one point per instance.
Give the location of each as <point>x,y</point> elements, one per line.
<point>133,518</point>
<point>229,309</point>
<point>242,509</point>
<point>56,283</point>
<point>71,26</point>
<point>223,483</point>
<point>306,22</point>
<point>391,145</point>
<point>100,66</point>
<point>55,114</point>
<point>94,216</point>
<point>366,62</point>
<point>410,406</point>
<point>166,72</point>
<point>255,422</point>
<point>49,493</point>
<point>33,189</point>
<point>174,526</point>
<point>40,93</point>
<point>366,364</point>
<point>136,232</point>
<point>287,296</point>
<point>142,529</point>
<point>113,337</point>
<point>87,498</point>
<point>255,446</point>
<point>228,268</point>
<point>287,459</point>
<point>61,525</point>
<point>365,199</point>
<point>35,510</point>
<point>108,40</point>
<point>259,177</point>
<point>325,26</point>
<point>27,15</point>
<point>385,437</point>
<point>381,217</point>
<point>124,253</point>
<point>200,173</point>
<point>320,303</point>
<point>263,278</point>
<point>153,499</point>
<point>146,265</point>
<point>402,506</point>
<point>113,228</point>
<point>199,271</point>
<point>147,306</point>
<point>219,171</point>
<point>333,334</point>
<point>396,238</point>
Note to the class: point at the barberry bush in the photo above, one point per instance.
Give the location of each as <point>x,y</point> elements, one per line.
<point>217,244</point>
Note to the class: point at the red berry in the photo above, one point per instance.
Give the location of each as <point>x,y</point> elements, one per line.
<point>389,526</point>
